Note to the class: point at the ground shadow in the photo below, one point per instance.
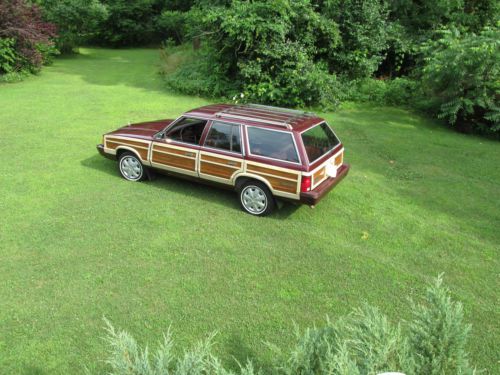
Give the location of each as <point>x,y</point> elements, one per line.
<point>224,197</point>
<point>33,370</point>
<point>240,353</point>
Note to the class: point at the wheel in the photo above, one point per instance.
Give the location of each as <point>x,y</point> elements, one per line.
<point>131,167</point>
<point>256,199</point>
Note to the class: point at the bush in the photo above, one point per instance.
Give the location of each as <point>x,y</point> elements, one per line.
<point>76,20</point>
<point>194,73</point>
<point>8,56</point>
<point>365,342</point>
<point>462,79</point>
<point>173,24</point>
<point>438,334</point>
<point>270,50</point>
<point>24,36</point>
<point>363,36</point>
<point>129,23</point>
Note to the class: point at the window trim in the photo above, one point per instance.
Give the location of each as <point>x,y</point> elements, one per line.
<point>173,123</point>
<point>247,142</point>
<point>330,150</point>
<point>242,146</point>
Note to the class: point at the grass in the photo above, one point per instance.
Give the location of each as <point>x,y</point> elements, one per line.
<point>77,242</point>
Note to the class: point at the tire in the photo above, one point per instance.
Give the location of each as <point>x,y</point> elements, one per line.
<point>256,199</point>
<point>130,167</point>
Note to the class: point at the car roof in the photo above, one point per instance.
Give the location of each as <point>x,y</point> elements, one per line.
<point>258,115</point>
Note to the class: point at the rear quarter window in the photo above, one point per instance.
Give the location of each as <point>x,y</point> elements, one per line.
<point>272,144</point>
<point>318,141</point>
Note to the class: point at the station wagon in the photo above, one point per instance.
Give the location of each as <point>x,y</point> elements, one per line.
<point>264,153</point>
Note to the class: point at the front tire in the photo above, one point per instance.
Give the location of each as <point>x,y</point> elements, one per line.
<point>130,167</point>
<point>256,199</point>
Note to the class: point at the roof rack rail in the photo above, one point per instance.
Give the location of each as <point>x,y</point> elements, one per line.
<point>281,109</point>
<point>238,112</point>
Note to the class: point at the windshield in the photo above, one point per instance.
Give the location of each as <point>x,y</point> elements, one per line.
<point>318,141</point>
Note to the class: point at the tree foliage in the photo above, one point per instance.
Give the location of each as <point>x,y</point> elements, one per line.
<point>23,33</point>
<point>129,23</point>
<point>76,20</point>
<point>461,75</point>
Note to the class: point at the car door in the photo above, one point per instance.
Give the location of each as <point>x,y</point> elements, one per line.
<point>221,156</point>
<point>178,150</point>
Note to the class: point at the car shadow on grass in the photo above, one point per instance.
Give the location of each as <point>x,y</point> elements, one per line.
<point>224,197</point>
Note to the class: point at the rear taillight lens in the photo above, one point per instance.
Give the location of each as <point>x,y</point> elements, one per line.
<point>305,185</point>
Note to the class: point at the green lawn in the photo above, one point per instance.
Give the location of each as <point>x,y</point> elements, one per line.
<point>77,242</point>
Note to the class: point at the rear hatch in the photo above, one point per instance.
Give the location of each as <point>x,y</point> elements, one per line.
<point>324,151</point>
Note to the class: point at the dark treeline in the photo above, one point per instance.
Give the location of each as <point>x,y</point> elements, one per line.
<point>440,56</point>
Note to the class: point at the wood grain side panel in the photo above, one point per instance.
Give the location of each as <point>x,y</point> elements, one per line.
<point>232,163</point>
<point>173,150</point>
<point>339,159</point>
<point>174,161</point>
<point>319,175</point>
<point>282,185</point>
<point>254,168</point>
<point>217,170</point>
<point>143,153</point>
<point>127,142</point>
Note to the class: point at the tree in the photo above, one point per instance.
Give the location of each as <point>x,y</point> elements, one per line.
<point>461,77</point>
<point>23,36</point>
<point>76,20</point>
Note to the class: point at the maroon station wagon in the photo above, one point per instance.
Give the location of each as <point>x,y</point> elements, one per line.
<point>262,152</point>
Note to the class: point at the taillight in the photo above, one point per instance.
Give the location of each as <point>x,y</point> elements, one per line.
<point>305,185</point>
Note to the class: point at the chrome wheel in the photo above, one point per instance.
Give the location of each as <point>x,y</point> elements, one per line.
<point>254,199</point>
<point>131,168</point>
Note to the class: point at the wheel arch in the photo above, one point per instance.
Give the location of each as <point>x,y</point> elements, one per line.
<point>122,149</point>
<point>244,177</point>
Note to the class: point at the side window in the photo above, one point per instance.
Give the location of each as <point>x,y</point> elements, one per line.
<point>224,136</point>
<point>272,144</point>
<point>187,130</point>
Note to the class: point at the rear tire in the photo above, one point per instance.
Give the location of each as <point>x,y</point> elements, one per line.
<point>130,167</point>
<point>256,199</point>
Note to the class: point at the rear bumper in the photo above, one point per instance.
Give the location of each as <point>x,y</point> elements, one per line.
<point>100,148</point>
<point>311,198</point>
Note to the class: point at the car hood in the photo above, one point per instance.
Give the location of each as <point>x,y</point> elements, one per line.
<point>142,129</point>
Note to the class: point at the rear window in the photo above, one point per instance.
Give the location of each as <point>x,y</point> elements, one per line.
<point>272,144</point>
<point>318,141</point>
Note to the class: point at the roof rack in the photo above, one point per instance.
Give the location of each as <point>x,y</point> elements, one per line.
<point>264,114</point>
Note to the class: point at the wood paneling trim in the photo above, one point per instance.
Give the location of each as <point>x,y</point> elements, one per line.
<point>339,159</point>
<point>282,185</point>
<point>319,176</point>
<point>171,150</point>
<point>174,161</point>
<point>221,160</point>
<point>217,170</point>
<point>273,172</point>
<point>127,142</point>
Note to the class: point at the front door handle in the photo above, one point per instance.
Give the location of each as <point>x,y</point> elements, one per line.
<point>230,162</point>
